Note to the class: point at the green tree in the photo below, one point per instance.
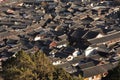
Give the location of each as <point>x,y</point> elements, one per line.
<point>60,74</point>
<point>43,66</point>
<point>33,67</point>
<point>19,68</point>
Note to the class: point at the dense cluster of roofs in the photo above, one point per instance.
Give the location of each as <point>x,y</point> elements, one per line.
<point>81,36</point>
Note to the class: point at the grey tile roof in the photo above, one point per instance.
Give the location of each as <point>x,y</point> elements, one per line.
<point>90,35</point>
<point>67,16</point>
<point>105,38</point>
<point>95,70</point>
<point>86,65</point>
<point>6,23</point>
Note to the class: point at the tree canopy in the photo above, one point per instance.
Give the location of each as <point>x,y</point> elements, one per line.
<point>33,67</point>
